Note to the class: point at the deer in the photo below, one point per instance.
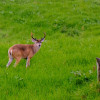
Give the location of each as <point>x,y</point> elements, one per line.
<point>24,51</point>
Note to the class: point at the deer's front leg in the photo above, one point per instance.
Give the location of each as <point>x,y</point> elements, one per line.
<point>28,62</point>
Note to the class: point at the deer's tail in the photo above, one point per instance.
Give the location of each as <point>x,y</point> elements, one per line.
<point>10,54</point>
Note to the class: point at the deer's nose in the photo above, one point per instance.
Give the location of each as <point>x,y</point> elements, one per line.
<point>39,45</point>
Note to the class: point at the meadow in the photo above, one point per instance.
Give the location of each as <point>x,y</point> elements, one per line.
<point>65,66</point>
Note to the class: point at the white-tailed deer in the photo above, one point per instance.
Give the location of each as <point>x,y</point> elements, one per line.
<point>25,51</point>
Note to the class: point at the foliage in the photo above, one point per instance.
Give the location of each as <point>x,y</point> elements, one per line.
<point>64,66</point>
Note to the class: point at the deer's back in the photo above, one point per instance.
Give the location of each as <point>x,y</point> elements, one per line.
<point>21,50</point>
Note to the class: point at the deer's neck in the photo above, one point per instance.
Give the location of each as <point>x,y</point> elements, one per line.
<point>36,48</point>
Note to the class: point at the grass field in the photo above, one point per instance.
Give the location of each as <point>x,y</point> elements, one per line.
<point>64,67</point>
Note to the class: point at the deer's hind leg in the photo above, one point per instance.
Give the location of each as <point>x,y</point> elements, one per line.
<point>9,62</point>
<point>17,61</point>
<point>10,59</point>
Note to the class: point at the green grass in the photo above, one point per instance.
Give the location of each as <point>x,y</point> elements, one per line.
<point>63,67</point>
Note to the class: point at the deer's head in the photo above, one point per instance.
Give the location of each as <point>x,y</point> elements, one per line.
<point>38,42</point>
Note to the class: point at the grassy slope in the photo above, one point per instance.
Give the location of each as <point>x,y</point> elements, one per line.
<point>63,68</point>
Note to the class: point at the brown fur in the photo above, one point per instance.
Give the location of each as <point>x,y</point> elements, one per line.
<point>20,51</point>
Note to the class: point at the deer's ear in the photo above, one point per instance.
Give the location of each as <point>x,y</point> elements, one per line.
<point>42,40</point>
<point>33,40</point>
